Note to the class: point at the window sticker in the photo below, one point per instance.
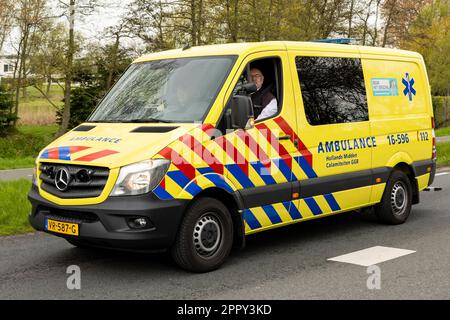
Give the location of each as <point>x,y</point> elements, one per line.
<point>409,91</point>
<point>384,87</point>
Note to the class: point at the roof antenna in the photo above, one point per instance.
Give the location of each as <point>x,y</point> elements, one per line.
<point>186,46</point>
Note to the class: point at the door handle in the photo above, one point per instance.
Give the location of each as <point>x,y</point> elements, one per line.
<point>288,137</point>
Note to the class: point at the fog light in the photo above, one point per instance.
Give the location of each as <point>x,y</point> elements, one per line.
<point>139,223</point>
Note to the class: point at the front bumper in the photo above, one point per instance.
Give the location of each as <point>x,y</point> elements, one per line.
<point>105,224</point>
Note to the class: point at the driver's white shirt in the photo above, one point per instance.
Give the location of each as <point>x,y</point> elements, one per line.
<point>269,110</point>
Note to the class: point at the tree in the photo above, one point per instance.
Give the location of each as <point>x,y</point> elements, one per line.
<point>84,7</point>
<point>429,34</point>
<point>398,15</point>
<point>29,15</point>
<point>149,20</point>
<point>48,57</point>
<point>6,105</point>
<point>115,55</point>
<point>7,9</point>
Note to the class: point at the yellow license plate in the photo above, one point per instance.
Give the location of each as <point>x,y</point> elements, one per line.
<point>62,227</point>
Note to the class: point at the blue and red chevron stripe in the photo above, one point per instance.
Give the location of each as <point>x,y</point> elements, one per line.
<point>65,153</point>
<point>185,176</point>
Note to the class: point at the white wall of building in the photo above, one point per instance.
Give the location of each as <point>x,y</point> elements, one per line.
<point>6,67</point>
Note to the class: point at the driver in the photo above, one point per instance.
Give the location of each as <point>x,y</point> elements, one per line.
<point>262,97</point>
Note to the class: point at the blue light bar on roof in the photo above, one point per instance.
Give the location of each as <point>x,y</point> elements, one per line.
<point>336,41</point>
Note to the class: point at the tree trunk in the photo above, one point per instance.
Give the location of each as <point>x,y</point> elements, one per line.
<point>350,19</point>
<point>388,23</point>
<point>69,73</point>
<point>22,55</point>
<point>193,24</point>
<point>49,84</point>
<point>113,67</point>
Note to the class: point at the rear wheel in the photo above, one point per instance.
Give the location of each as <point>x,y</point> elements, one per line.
<point>396,203</point>
<point>205,237</point>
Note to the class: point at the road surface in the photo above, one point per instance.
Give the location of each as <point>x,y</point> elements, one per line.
<point>286,263</point>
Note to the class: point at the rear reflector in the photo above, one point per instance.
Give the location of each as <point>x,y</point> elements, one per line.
<point>434,153</point>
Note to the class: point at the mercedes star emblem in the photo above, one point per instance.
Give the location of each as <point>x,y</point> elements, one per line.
<point>62,179</point>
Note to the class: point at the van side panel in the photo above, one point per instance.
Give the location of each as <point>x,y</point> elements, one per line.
<point>400,114</point>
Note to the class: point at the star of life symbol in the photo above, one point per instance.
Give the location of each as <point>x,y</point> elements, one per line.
<point>409,89</point>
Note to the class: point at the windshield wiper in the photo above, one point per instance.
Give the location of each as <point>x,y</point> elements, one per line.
<point>104,121</point>
<point>150,120</point>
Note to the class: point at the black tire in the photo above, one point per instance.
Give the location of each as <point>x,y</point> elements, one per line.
<point>396,203</point>
<point>205,237</point>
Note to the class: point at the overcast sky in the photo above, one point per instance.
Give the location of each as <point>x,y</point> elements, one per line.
<point>91,26</point>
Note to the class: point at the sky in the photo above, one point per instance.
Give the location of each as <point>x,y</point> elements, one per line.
<point>91,26</point>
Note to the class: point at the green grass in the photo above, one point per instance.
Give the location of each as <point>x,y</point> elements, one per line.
<point>19,149</point>
<point>14,208</point>
<point>443,132</point>
<point>443,153</point>
<point>34,109</point>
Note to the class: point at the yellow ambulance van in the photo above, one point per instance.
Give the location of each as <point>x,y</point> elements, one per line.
<point>194,149</point>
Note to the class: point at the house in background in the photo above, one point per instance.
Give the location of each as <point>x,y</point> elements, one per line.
<point>7,64</point>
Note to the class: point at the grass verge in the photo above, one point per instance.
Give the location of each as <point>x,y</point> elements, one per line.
<point>14,208</point>
<point>443,132</point>
<point>443,153</point>
<point>19,149</point>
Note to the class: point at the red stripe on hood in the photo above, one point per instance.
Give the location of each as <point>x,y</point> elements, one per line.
<point>97,155</point>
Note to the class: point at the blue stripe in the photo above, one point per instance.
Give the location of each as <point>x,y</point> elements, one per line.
<point>272,214</point>
<point>205,170</point>
<point>263,172</point>
<point>281,164</point>
<point>161,193</point>
<point>179,177</point>
<point>312,204</point>
<point>64,153</point>
<point>240,176</point>
<point>193,189</point>
<point>292,209</point>
<point>251,220</point>
<point>306,167</point>
<point>332,202</point>
<point>219,181</point>
<point>45,155</point>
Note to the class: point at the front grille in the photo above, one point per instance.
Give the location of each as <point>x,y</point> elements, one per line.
<point>83,182</point>
<point>67,216</point>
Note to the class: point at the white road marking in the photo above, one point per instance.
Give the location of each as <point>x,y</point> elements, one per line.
<point>442,174</point>
<point>372,256</point>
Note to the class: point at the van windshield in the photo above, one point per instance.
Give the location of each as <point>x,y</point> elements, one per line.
<point>175,90</point>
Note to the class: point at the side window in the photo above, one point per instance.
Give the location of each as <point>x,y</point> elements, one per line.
<point>266,73</point>
<point>5,68</point>
<point>333,89</point>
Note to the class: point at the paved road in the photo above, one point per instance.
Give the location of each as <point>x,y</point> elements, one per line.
<point>443,139</point>
<point>15,174</point>
<point>286,263</point>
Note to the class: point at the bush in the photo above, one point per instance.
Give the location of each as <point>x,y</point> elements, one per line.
<point>441,108</point>
<point>6,105</point>
<point>83,100</point>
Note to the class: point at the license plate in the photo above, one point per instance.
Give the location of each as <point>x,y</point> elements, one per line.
<point>62,227</point>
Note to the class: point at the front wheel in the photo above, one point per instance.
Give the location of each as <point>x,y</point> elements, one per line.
<point>205,237</point>
<point>396,203</point>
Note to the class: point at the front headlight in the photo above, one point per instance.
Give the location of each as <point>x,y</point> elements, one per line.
<point>140,178</point>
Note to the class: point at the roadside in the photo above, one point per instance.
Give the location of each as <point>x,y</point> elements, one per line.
<point>14,207</point>
<point>19,149</point>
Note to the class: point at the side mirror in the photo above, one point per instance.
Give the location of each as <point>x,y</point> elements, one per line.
<point>241,111</point>
<point>250,87</point>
